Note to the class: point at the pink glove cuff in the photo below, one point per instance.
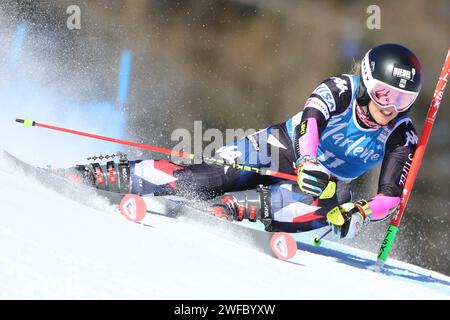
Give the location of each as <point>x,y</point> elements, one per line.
<point>381,205</point>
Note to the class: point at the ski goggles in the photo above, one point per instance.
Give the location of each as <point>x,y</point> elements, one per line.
<point>388,96</point>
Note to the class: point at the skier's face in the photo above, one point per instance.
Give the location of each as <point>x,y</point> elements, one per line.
<point>382,115</point>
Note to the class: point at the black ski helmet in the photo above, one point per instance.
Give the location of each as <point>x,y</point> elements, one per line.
<point>391,76</point>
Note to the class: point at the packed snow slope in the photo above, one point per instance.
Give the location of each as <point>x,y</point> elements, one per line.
<point>54,248</point>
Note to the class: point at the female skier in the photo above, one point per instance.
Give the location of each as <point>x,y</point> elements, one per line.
<point>350,123</point>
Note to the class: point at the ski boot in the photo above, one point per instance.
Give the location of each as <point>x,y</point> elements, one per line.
<point>112,176</point>
<point>253,205</point>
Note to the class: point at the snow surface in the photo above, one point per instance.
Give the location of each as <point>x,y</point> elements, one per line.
<point>54,248</point>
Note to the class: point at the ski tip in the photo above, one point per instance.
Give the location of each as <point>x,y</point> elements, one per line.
<point>133,207</point>
<point>283,245</point>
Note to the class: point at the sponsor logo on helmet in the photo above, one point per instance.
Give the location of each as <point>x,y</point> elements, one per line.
<point>365,69</point>
<point>402,83</point>
<point>404,73</point>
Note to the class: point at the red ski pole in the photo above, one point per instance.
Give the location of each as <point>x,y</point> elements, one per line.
<point>180,154</point>
<point>415,165</point>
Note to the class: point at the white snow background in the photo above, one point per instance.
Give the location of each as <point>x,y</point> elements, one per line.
<point>54,248</point>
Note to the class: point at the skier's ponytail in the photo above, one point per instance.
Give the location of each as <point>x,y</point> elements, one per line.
<point>356,68</point>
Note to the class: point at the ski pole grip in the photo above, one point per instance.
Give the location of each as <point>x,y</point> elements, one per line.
<point>26,122</point>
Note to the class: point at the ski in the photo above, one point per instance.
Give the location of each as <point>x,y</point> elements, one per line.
<point>280,245</point>
<point>131,206</point>
<point>135,208</point>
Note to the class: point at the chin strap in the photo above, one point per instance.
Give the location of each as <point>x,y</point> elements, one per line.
<point>366,118</point>
<point>362,106</point>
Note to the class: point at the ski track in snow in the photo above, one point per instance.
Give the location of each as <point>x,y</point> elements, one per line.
<point>54,248</point>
